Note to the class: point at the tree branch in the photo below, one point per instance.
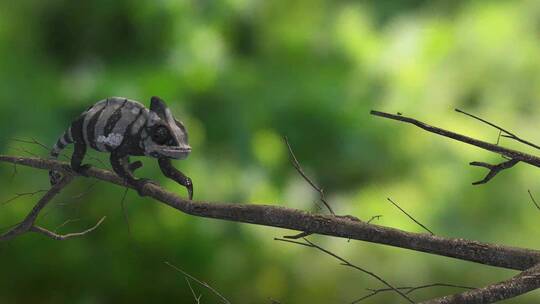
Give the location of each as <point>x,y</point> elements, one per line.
<point>493,169</point>
<point>533,200</point>
<point>506,134</point>
<point>281,217</point>
<point>515,156</point>
<point>409,216</point>
<point>28,224</point>
<point>19,195</point>
<point>522,283</point>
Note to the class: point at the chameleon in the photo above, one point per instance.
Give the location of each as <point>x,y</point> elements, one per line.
<point>124,128</point>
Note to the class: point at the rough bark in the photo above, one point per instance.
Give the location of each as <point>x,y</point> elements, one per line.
<point>338,226</point>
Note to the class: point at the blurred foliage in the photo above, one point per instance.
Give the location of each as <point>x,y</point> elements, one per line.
<point>241,74</point>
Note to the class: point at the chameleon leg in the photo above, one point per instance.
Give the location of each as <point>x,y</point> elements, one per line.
<point>78,157</point>
<point>80,147</point>
<point>122,167</point>
<point>171,172</point>
<point>135,165</point>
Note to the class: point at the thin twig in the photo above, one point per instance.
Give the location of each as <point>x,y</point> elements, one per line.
<point>47,148</point>
<point>375,217</point>
<point>124,212</point>
<point>344,262</point>
<point>61,237</point>
<point>299,169</point>
<point>79,196</point>
<point>19,195</point>
<point>409,216</point>
<point>32,141</point>
<point>14,172</point>
<point>413,289</point>
<point>506,134</point>
<point>204,284</point>
<point>66,202</point>
<point>298,236</point>
<point>533,200</point>
<point>408,290</point>
<point>22,150</point>
<point>65,223</point>
<point>195,297</point>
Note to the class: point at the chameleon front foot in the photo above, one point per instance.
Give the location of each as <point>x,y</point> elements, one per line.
<point>189,186</point>
<point>82,170</point>
<point>171,172</point>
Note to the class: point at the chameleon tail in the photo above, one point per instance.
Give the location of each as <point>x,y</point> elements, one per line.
<point>59,146</point>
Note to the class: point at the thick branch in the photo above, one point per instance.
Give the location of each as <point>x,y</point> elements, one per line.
<point>275,216</point>
<point>522,283</point>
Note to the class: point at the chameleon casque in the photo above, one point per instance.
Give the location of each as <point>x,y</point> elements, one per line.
<point>125,128</point>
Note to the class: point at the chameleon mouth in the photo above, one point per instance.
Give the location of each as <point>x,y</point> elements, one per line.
<point>178,150</point>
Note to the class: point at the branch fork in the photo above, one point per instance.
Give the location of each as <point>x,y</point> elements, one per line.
<point>29,223</point>
<point>493,169</point>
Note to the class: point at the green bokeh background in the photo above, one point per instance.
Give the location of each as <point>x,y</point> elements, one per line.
<point>241,74</point>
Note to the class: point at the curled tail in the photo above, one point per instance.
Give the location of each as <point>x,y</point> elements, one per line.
<point>61,143</point>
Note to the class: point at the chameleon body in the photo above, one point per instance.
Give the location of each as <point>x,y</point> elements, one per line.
<point>125,128</point>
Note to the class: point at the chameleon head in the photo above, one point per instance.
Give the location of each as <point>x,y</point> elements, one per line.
<point>165,136</point>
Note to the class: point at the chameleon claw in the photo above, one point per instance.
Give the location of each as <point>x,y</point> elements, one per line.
<point>189,187</point>
<point>174,174</point>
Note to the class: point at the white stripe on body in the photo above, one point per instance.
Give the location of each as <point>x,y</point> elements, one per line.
<point>70,135</point>
<point>140,122</point>
<point>88,116</point>
<point>129,113</point>
<point>62,142</point>
<point>99,134</point>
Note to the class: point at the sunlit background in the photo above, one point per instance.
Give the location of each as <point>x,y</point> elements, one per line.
<point>241,74</point>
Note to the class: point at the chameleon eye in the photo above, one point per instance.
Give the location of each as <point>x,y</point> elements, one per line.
<point>160,135</point>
